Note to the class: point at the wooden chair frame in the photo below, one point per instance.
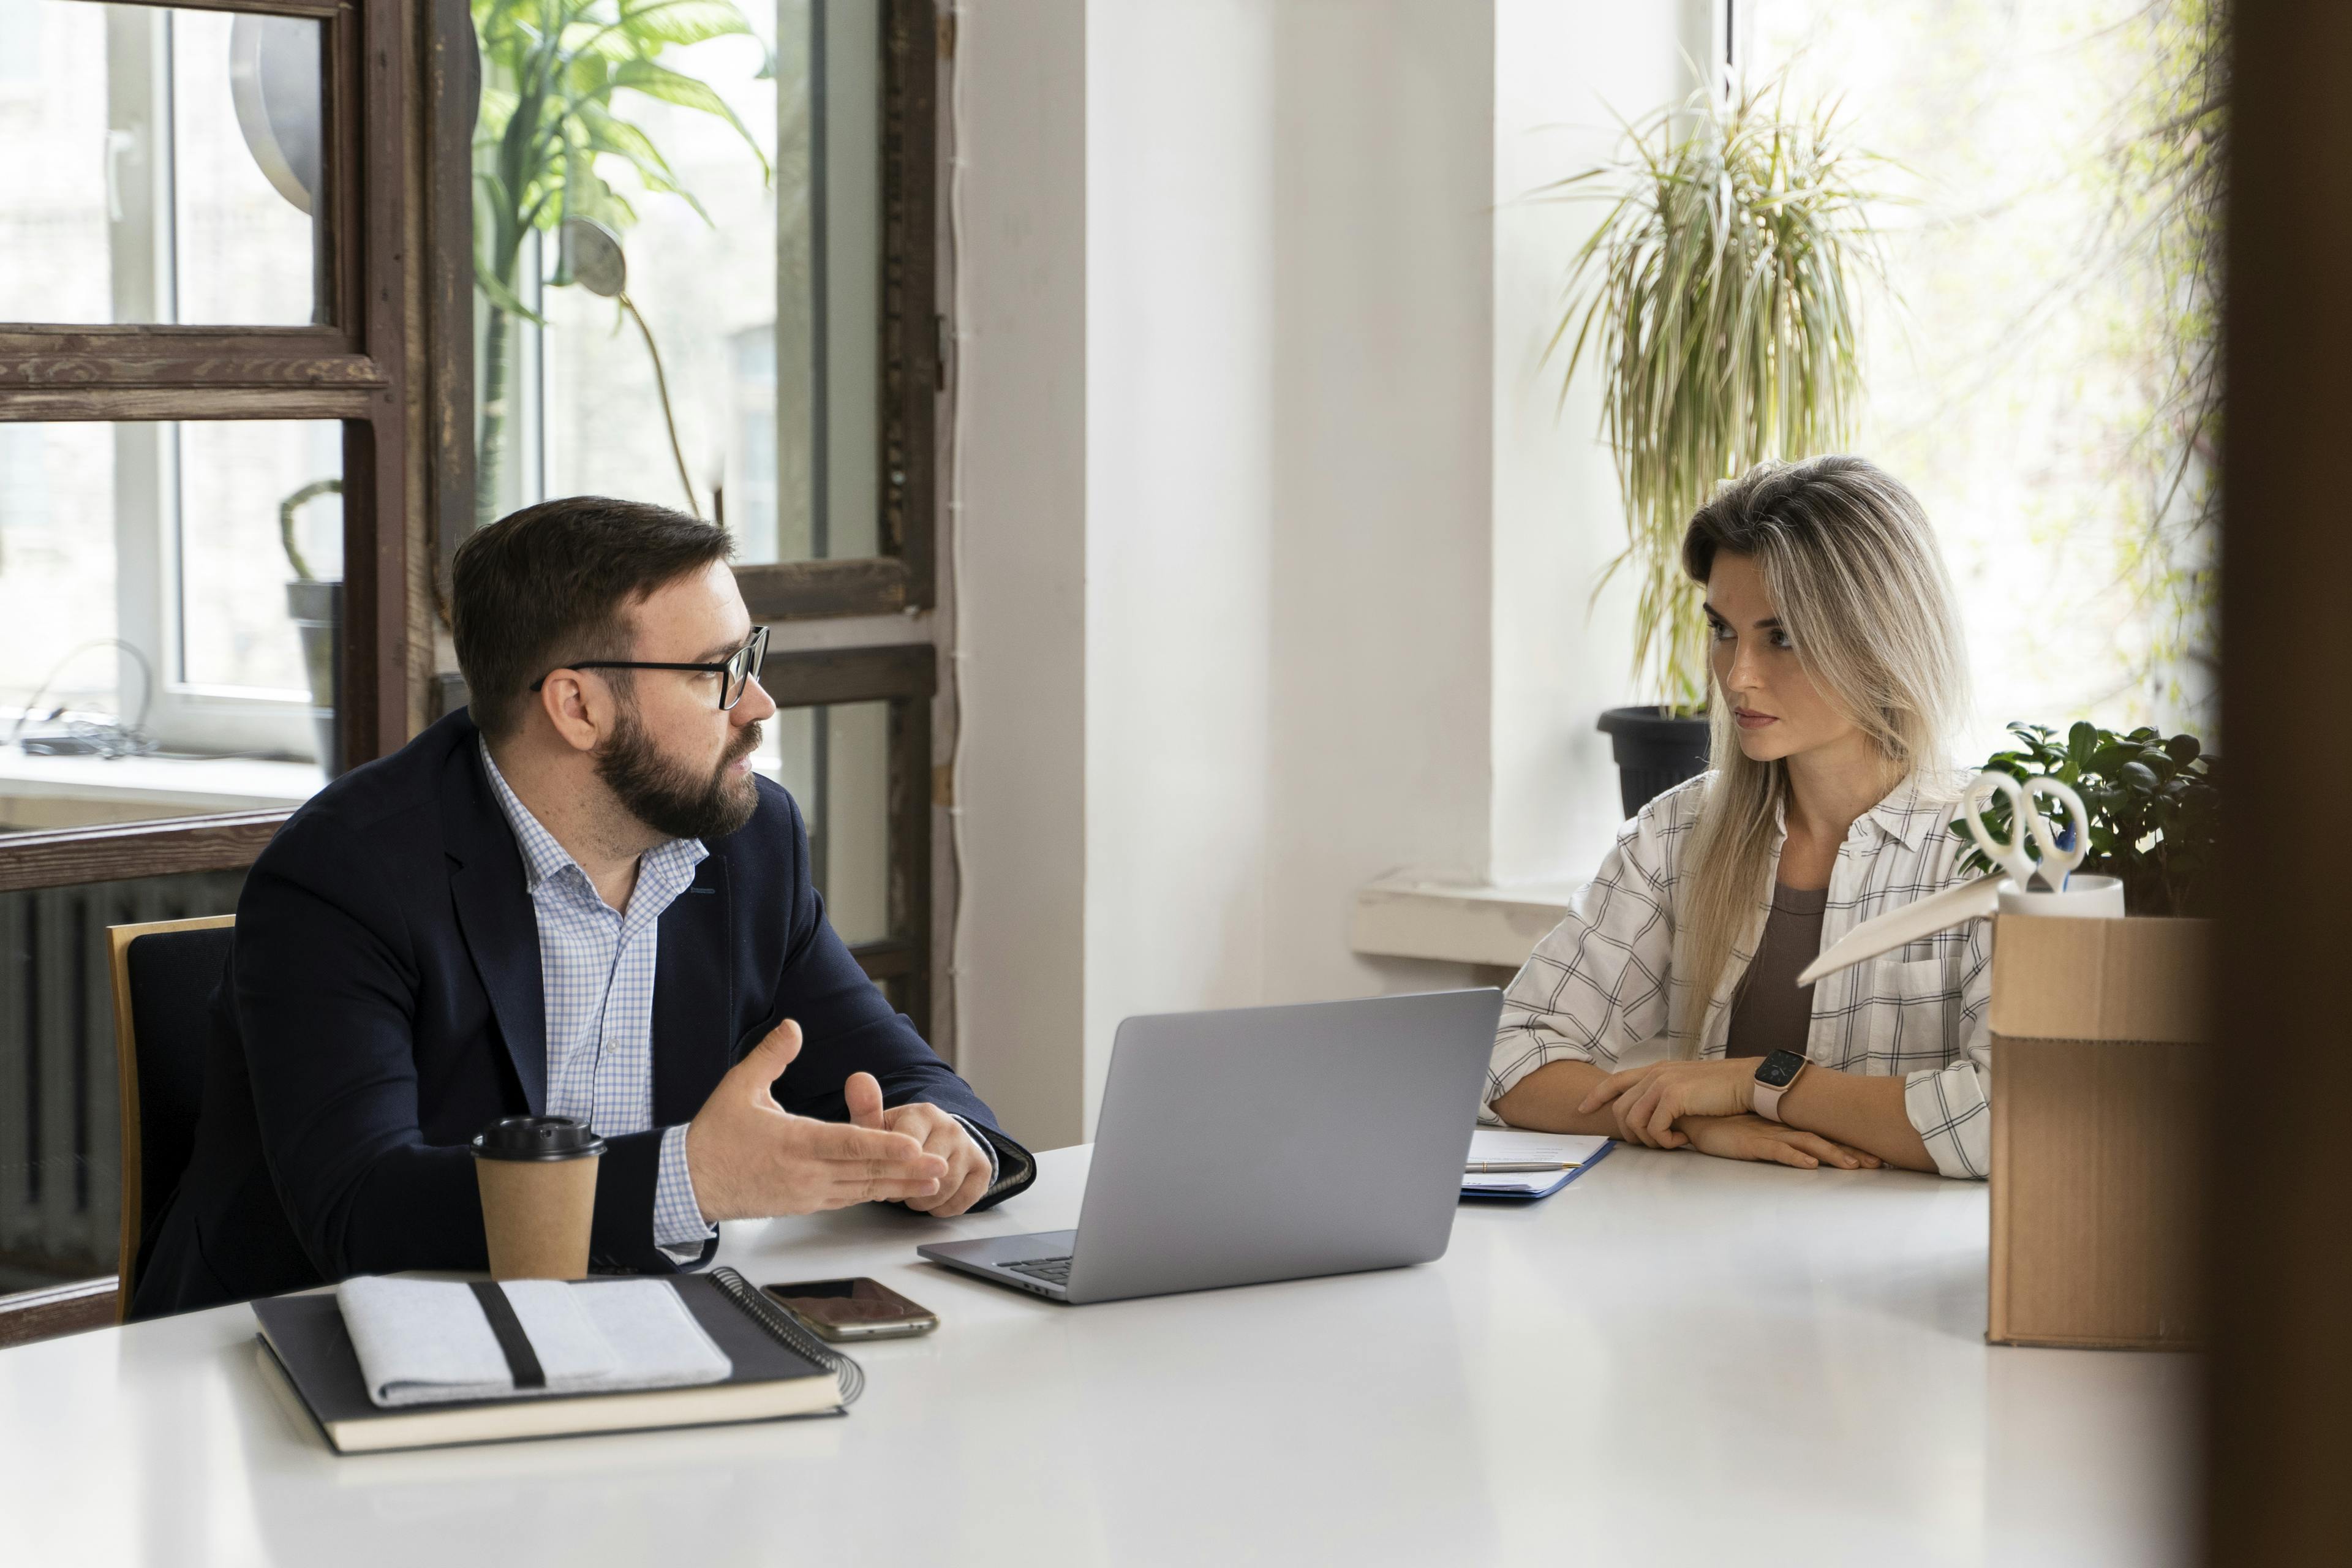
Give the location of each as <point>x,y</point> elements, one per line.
<point>126,1072</point>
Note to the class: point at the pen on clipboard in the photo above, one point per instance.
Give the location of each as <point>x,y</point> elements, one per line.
<point>1513,1167</point>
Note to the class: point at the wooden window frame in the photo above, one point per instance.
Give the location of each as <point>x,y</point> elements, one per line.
<point>359,370</point>
<point>396,367</point>
<point>900,579</point>
<point>905,675</point>
<point>902,576</point>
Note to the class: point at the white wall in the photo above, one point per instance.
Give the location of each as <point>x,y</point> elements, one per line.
<point>1558,659</point>
<point>1276,550</point>
<point>1179,441</point>
<point>1019,964</point>
<point>1377,661</point>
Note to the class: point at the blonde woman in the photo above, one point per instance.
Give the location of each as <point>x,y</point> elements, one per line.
<point>1664,1009</point>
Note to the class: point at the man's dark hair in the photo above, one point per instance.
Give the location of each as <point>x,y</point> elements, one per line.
<point>553,584</point>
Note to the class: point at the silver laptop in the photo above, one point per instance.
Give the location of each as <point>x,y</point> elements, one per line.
<point>1264,1143</point>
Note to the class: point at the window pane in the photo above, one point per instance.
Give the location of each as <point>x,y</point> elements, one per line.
<point>2027,388</point>
<point>246,123</point>
<point>751,268</point>
<point>157,657</point>
<point>835,760</point>
<point>61,1144</point>
<point>239,582</point>
<point>161,164</point>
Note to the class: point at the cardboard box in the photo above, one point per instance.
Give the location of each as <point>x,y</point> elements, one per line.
<point>2101,1130</point>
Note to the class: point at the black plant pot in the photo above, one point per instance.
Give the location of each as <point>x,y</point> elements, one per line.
<point>1654,752</point>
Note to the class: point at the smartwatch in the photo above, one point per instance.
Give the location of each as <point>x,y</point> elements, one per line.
<point>1774,1074</point>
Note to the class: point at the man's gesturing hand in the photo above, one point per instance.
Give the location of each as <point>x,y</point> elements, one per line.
<point>751,1159</point>
<point>966,1182</point>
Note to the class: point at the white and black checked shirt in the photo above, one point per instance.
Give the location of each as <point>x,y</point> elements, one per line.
<point>1607,986</point>
<point>596,968</point>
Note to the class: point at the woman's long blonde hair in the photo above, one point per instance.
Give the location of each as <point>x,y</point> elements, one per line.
<point>1850,564</point>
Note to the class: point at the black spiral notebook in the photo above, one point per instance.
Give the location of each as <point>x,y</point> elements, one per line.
<point>780,1370</point>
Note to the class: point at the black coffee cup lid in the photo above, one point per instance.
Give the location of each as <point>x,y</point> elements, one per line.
<point>537,1138</point>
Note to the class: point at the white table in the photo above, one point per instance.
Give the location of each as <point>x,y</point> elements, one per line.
<point>1675,1360</point>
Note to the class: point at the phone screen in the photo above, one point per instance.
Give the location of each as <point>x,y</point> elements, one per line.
<point>851,1307</point>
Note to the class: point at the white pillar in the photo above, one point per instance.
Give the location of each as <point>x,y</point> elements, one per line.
<point>1276,550</point>
<point>1021,954</point>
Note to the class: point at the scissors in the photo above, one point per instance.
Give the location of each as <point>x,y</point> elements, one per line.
<point>1979,898</point>
<point>2025,820</point>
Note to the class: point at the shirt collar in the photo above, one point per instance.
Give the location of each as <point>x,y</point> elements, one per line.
<point>543,857</point>
<point>1907,813</point>
<point>1910,812</point>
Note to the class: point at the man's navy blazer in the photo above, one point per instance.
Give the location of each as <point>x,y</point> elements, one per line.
<point>383,1006</point>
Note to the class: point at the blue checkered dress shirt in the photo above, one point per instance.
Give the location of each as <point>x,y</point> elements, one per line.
<point>596,967</point>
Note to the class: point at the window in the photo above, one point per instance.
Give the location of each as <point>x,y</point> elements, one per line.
<point>183,659</point>
<point>167,162</point>
<point>197,371</point>
<point>2037,385</point>
<point>718,300</point>
<point>835,760</point>
<point>168,165</point>
<point>721,300</point>
<point>852,743</point>
<point>207,350</point>
<point>200,363</point>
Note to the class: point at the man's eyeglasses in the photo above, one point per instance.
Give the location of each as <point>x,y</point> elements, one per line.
<point>741,668</point>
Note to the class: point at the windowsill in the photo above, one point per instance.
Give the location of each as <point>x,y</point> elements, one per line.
<point>1461,923</point>
<point>83,791</point>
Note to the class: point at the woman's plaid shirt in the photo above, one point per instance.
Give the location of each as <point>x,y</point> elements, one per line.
<point>1607,986</point>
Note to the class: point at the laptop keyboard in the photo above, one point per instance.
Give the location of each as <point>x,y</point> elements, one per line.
<point>1053,1271</point>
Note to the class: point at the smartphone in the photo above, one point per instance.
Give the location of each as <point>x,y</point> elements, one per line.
<point>859,1308</point>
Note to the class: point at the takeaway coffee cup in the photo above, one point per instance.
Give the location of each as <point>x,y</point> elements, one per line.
<point>538,1175</point>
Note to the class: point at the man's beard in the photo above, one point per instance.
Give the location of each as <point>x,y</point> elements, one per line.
<point>667,796</point>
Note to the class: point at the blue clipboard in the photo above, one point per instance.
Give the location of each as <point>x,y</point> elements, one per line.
<point>1520,1195</point>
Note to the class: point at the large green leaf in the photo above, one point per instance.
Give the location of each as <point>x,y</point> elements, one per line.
<point>608,132</point>
<point>673,87</point>
<point>549,68</point>
<point>682,21</point>
<point>2154,818</point>
<point>504,298</point>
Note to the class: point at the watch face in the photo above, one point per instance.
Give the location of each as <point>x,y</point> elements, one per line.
<point>1780,1069</point>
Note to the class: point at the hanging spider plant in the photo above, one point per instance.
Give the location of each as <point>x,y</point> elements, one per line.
<point>1719,298</point>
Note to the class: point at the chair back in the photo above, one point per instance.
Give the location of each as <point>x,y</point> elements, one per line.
<point>164,973</point>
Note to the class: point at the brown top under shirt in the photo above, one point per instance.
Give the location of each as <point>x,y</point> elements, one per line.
<point>1771,1013</point>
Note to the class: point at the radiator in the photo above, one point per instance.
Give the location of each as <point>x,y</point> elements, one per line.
<point>61,1144</point>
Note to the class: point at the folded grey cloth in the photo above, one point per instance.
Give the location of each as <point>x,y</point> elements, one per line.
<point>424,1342</point>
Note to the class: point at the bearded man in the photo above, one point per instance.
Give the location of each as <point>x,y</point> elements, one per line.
<point>574,898</point>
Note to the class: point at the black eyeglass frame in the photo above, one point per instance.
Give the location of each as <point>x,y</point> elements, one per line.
<point>753,653</point>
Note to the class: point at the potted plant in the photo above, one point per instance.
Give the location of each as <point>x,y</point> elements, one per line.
<point>1719,297</point>
<point>318,611</point>
<point>2154,806</point>
<point>551,69</point>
